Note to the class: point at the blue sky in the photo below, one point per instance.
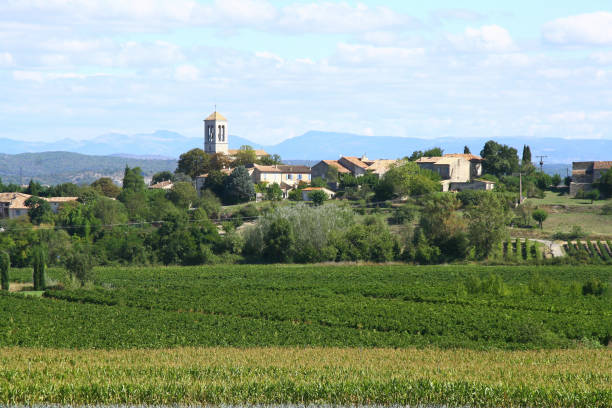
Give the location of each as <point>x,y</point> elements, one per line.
<point>277,69</point>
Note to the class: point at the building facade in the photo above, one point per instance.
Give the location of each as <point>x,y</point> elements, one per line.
<point>457,171</point>
<point>586,174</point>
<point>12,205</point>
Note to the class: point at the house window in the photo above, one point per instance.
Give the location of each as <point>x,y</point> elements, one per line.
<point>289,176</point>
<point>299,176</point>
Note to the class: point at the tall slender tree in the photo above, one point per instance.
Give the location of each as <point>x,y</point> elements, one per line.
<point>38,265</point>
<point>466,150</point>
<point>526,155</point>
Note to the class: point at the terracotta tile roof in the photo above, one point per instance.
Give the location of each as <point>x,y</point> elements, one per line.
<point>163,185</point>
<point>258,152</point>
<point>266,169</point>
<point>602,165</point>
<point>14,200</point>
<point>286,168</point>
<point>355,160</point>
<point>381,166</point>
<point>433,159</point>
<point>467,156</point>
<point>216,116</point>
<point>338,166</point>
<point>224,171</point>
<point>60,199</point>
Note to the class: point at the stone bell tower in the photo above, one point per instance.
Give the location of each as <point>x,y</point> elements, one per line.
<point>215,134</point>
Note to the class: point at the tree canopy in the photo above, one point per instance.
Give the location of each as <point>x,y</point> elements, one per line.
<point>499,160</point>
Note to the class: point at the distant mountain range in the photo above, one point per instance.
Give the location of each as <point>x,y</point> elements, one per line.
<point>313,146</point>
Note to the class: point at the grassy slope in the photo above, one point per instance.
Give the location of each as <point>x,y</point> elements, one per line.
<point>579,378</point>
<point>565,212</point>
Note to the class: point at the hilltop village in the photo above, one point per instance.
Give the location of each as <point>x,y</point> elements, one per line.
<point>243,205</point>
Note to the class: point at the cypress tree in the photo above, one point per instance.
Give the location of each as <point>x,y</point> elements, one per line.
<point>526,155</point>
<point>38,264</point>
<point>466,150</point>
<point>5,264</point>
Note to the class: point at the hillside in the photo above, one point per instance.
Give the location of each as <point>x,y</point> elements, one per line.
<point>61,167</point>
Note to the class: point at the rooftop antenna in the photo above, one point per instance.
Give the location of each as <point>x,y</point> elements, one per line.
<point>542,162</point>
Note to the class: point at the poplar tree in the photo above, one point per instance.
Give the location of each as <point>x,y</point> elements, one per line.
<point>526,155</point>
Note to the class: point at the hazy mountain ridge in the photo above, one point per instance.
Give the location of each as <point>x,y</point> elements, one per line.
<point>315,145</point>
<point>62,167</point>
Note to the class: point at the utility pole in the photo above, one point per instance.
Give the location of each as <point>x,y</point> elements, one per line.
<point>520,175</point>
<point>542,162</point>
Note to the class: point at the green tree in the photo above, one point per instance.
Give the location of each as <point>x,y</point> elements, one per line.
<point>274,192</point>
<point>443,226</point>
<point>183,195</point>
<point>540,215</point>
<point>80,266</point>
<point>5,265</point>
<point>162,176</point>
<point>245,155</point>
<point>318,197</point>
<point>239,187</point>
<point>593,195</point>
<point>39,263</point>
<point>526,159</point>
<point>106,187</point>
<point>270,160</point>
<point>408,178</point>
<point>219,161</point>
<point>605,183</point>
<point>279,241</point>
<point>295,195</point>
<point>215,182</point>
<point>133,180</point>
<point>34,188</point>
<point>555,180</point>
<point>210,203</point>
<point>39,210</point>
<point>487,221</point>
<point>193,163</point>
<point>466,150</point>
<point>499,160</point>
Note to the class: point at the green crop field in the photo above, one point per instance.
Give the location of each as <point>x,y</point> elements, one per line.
<point>362,306</point>
<point>458,334</point>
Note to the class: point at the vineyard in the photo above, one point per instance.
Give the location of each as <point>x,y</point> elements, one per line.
<point>599,251</point>
<point>523,307</point>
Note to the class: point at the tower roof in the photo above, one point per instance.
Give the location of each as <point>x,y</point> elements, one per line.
<point>216,116</point>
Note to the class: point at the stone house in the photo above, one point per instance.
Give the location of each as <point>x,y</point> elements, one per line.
<point>351,165</point>
<point>12,205</point>
<point>457,171</point>
<point>585,174</point>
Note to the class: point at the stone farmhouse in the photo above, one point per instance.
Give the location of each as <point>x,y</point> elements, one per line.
<point>281,174</point>
<point>457,171</point>
<point>352,165</point>
<point>585,174</point>
<point>12,205</point>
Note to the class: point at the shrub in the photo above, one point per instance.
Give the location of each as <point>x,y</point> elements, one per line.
<point>79,266</point>
<point>607,209</point>
<point>593,287</point>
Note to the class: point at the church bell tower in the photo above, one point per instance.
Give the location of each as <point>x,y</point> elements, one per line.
<point>215,134</point>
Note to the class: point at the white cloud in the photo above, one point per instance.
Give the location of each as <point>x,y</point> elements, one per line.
<point>243,12</point>
<point>39,76</point>
<point>505,60</point>
<point>370,54</point>
<point>590,28</point>
<point>328,17</point>
<point>186,73</point>
<point>6,59</point>
<point>489,38</point>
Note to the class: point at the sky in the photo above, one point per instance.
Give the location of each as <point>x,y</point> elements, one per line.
<point>277,69</point>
